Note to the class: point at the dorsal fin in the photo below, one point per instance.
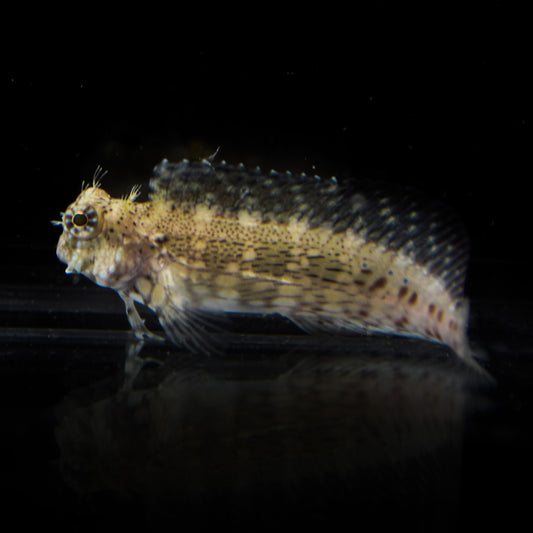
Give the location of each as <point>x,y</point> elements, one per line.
<point>399,218</point>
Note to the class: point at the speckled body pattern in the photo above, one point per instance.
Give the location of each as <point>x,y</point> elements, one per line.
<point>337,258</point>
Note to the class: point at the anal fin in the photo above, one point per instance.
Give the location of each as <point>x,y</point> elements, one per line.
<point>331,325</point>
<point>193,329</point>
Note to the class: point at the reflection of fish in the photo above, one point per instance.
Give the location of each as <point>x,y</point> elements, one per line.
<point>332,428</point>
<point>334,257</point>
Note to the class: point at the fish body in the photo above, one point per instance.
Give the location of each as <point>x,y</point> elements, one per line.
<point>332,257</point>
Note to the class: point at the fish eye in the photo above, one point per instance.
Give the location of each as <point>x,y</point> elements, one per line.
<point>79,219</point>
<point>82,223</point>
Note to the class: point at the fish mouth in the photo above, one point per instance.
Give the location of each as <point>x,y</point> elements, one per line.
<point>68,256</point>
<point>61,249</point>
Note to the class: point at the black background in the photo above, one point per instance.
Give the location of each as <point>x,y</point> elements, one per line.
<point>435,96</point>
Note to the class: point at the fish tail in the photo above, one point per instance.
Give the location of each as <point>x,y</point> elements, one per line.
<point>461,345</point>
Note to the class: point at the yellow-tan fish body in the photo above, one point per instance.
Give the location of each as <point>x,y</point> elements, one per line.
<point>332,257</point>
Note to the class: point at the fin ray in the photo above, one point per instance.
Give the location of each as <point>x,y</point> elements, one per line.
<point>192,329</point>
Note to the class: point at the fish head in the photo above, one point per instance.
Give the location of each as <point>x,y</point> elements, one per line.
<point>83,238</point>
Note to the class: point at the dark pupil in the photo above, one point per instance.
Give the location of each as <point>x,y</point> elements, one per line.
<point>79,219</point>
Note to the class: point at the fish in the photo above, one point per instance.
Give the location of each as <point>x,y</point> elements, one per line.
<point>334,256</point>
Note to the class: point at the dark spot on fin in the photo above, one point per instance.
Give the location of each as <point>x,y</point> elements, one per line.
<point>401,322</point>
<point>378,284</point>
<point>413,299</point>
